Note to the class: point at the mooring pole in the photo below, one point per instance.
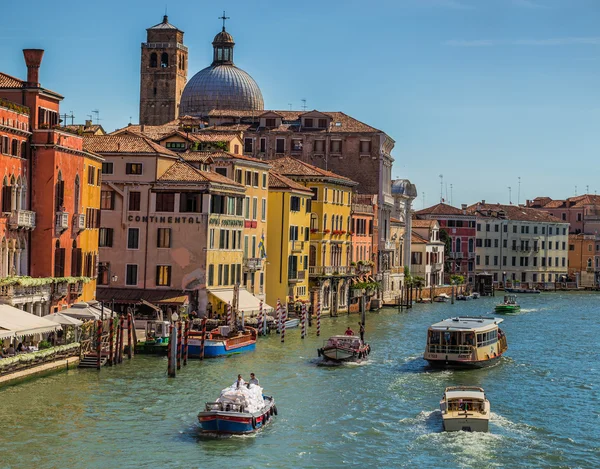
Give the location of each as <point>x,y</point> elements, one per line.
<point>179,335</point>
<point>186,337</point>
<point>111,336</point>
<point>203,338</point>
<point>129,337</point>
<point>173,346</point>
<point>99,346</point>
<point>121,342</point>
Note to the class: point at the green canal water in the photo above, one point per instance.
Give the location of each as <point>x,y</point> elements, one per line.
<point>544,396</point>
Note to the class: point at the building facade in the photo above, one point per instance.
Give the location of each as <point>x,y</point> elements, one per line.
<point>584,259</point>
<point>581,212</point>
<point>427,252</point>
<point>519,244</point>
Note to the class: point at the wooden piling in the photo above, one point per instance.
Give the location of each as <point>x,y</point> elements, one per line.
<point>186,338</point>
<point>121,341</point>
<point>172,366</point>
<point>319,318</point>
<point>111,337</point>
<point>129,337</point>
<point>99,346</point>
<point>203,338</point>
<point>179,336</point>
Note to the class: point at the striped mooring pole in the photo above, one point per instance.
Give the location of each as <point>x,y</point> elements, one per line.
<point>259,324</point>
<point>318,318</point>
<point>303,334</point>
<point>283,311</point>
<point>229,315</point>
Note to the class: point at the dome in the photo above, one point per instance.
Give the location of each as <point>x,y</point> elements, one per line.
<point>404,187</point>
<point>220,87</point>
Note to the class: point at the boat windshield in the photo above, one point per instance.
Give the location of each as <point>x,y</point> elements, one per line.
<point>457,405</point>
<point>451,337</point>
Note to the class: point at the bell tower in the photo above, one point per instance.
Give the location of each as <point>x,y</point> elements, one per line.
<point>163,73</point>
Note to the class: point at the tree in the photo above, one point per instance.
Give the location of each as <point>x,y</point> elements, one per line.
<point>447,240</point>
<point>456,279</point>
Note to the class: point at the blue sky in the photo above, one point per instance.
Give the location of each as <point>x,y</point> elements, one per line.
<point>481,91</point>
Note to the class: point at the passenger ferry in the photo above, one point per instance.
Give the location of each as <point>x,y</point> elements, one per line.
<point>465,342</point>
<point>222,341</point>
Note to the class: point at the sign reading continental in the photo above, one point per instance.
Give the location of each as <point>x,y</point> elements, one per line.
<point>189,220</point>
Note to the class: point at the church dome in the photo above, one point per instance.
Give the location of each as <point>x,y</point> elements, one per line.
<point>222,85</point>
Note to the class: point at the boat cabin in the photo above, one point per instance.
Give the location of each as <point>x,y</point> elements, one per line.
<point>468,399</point>
<point>345,341</point>
<point>157,331</point>
<point>510,299</point>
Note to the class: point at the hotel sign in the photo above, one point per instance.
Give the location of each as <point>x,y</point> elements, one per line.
<point>226,222</point>
<point>170,220</point>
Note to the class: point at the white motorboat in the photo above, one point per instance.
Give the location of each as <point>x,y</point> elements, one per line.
<point>465,408</point>
<point>344,348</point>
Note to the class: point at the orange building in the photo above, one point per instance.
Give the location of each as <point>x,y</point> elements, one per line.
<point>54,191</point>
<point>584,259</point>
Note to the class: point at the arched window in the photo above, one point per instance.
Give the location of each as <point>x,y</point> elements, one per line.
<point>470,244</point>
<point>23,150</point>
<point>59,198</point>
<point>458,245</point>
<point>325,222</point>
<point>312,256</point>
<point>589,262</point>
<point>15,147</point>
<point>6,196</point>
<point>314,222</point>
<point>76,260</point>
<point>164,60</point>
<point>59,260</point>
<point>153,60</point>
<point>76,195</point>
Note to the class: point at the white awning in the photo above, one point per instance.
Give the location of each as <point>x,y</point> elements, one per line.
<point>17,323</point>
<point>248,303</point>
<point>63,319</point>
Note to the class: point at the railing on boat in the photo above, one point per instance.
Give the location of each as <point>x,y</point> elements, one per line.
<point>224,407</point>
<point>451,349</point>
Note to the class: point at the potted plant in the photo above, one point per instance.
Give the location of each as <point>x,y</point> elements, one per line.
<point>314,230</point>
<point>326,231</point>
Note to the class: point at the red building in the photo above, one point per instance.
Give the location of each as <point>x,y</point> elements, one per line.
<point>48,196</point>
<point>460,227</point>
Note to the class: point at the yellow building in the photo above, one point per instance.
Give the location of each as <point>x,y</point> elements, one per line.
<point>88,237</point>
<point>289,237</point>
<point>330,273</point>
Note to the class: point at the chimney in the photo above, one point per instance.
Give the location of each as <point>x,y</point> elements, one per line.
<point>33,59</point>
<point>463,206</point>
<point>88,123</point>
<point>482,201</point>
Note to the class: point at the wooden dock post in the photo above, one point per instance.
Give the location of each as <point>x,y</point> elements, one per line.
<point>99,346</point>
<point>283,317</point>
<point>319,318</point>
<point>186,338</point>
<point>203,338</point>
<point>111,338</point>
<point>179,335</point>
<point>122,337</point>
<point>172,367</point>
<point>129,337</point>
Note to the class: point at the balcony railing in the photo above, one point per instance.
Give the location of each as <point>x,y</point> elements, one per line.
<point>331,270</point>
<point>297,276</point>
<point>62,221</point>
<point>297,246</point>
<point>79,221</point>
<point>61,289</point>
<point>253,264</point>
<point>389,245</point>
<point>14,291</point>
<point>22,219</point>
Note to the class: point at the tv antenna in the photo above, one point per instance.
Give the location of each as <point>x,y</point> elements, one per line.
<point>290,105</point>
<point>66,116</point>
<point>441,188</point>
<point>519,192</point>
<point>96,112</point>
<point>509,195</point>
<point>303,104</point>
<point>575,191</point>
<point>587,189</point>
<point>450,194</point>
<point>423,199</point>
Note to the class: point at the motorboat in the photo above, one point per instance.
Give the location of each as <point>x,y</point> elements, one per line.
<point>464,297</point>
<point>157,338</point>
<point>465,408</point>
<point>465,342</point>
<point>441,298</point>
<point>475,295</point>
<point>344,348</point>
<point>224,340</point>
<point>508,306</point>
<point>292,323</point>
<point>522,290</point>
<point>239,410</point>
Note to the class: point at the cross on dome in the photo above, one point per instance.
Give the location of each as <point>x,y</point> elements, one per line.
<point>224,18</point>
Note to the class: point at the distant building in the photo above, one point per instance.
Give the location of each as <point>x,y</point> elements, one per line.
<point>519,244</point>
<point>427,252</point>
<point>584,259</point>
<point>460,228</point>
<point>85,129</point>
<point>581,212</point>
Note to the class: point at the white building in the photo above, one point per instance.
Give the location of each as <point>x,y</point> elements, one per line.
<point>427,252</point>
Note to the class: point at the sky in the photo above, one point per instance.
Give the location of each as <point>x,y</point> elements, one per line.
<point>483,92</point>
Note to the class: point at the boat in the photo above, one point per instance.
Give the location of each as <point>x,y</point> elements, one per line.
<point>157,338</point>
<point>222,340</point>
<point>522,290</point>
<point>508,306</point>
<point>465,342</point>
<point>464,297</point>
<point>344,348</point>
<point>423,300</point>
<point>292,323</point>
<point>237,411</point>
<point>475,295</point>
<point>465,408</point>
<point>441,298</point>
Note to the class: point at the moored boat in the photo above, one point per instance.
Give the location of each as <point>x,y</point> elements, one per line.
<point>344,348</point>
<point>222,341</point>
<point>522,290</point>
<point>157,338</point>
<point>508,306</point>
<point>441,298</point>
<point>465,342</point>
<point>237,411</point>
<point>465,408</point>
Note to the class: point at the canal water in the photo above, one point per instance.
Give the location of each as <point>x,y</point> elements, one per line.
<point>384,413</point>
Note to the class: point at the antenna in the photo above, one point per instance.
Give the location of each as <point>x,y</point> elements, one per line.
<point>290,105</point>
<point>97,113</point>
<point>575,191</point>
<point>447,199</point>
<point>66,116</point>
<point>450,194</point>
<point>509,195</point>
<point>587,189</point>
<point>441,188</point>
<point>519,192</point>
<point>130,120</point>
<point>423,199</point>
<point>303,104</point>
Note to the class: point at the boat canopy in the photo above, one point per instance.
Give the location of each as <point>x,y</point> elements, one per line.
<point>465,395</point>
<point>466,323</point>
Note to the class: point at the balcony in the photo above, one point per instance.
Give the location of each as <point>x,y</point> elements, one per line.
<point>298,276</point>
<point>22,219</point>
<point>9,292</point>
<point>297,246</point>
<point>79,221</point>
<point>61,290</point>
<point>437,266</point>
<point>76,288</point>
<point>319,271</point>
<point>456,255</point>
<point>389,246</point>
<point>253,264</point>
<point>62,221</point>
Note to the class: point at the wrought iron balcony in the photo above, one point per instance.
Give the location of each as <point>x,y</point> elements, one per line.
<point>22,219</point>
<point>331,270</point>
<point>62,221</point>
<point>297,246</point>
<point>297,276</point>
<point>253,264</point>
<point>79,221</point>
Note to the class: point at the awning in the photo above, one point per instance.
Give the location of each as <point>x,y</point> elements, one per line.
<point>86,312</point>
<point>16,323</point>
<point>248,303</point>
<point>64,320</point>
<point>135,296</point>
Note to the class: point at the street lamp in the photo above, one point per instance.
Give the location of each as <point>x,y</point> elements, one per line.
<point>114,278</point>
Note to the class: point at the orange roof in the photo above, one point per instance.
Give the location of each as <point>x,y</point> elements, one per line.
<point>423,223</point>
<point>124,144</point>
<point>184,172</point>
<point>231,156</point>
<point>512,212</point>
<point>279,181</point>
<point>416,238</point>
<point>289,166</point>
<point>8,81</point>
<point>440,209</point>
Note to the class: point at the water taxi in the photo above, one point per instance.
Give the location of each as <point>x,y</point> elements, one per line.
<point>222,341</point>
<point>344,348</point>
<point>465,342</point>
<point>508,306</point>
<point>465,408</point>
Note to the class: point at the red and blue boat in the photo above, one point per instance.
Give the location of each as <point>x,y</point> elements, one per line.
<point>222,341</point>
<point>234,419</point>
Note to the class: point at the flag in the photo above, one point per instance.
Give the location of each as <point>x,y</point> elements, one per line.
<point>261,246</point>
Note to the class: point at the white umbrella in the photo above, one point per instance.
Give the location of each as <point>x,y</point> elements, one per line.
<point>63,319</point>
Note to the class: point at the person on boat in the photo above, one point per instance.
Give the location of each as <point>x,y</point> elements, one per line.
<point>361,331</point>
<point>349,331</point>
<point>240,382</point>
<point>253,379</point>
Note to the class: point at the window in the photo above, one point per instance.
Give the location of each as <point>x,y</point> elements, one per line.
<point>543,230</point>
<point>495,260</point>
<point>133,238</point>
<point>270,122</point>
<point>190,202</point>
<point>248,145</point>
<point>164,60</point>
<point>296,144</point>
<point>221,171</point>
<point>514,228</point>
<point>59,260</point>
<point>239,176</point>
<point>153,60</point>
<point>335,146</point>
<point>308,123</point>
<point>105,237</point>
<point>60,193</point>
<point>176,146</point>
<point>103,273</point>
<point>247,210</point>
<point>564,261</point>
<point>133,168</point>
<point>543,262</point>
<point>319,146</point>
<point>211,275</point>
<point>135,201</point>
<point>496,242</point>
<point>322,123</point>
<point>535,230</point>
<point>505,228</point>
<point>535,261</point>
<point>163,275</point>
<point>280,145</point>
<point>91,175</point>
<point>165,201</point>
<point>131,274</point>
<point>77,261</point>
<point>107,200</point>
<point>514,261</point>
<point>365,146</point>
<point>294,203</point>
<point>503,261</point>
<point>163,238</point>
<point>487,260</point>
<point>487,227</point>
<point>496,228</point>
<point>477,259</point>
<point>549,230</point>
<point>255,179</point>
<point>254,208</point>
<point>505,243</point>
<point>564,231</point>
<point>478,226</point>
<point>478,243</point>
<point>293,233</point>
<point>263,144</point>
<point>107,168</point>
<point>263,213</point>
